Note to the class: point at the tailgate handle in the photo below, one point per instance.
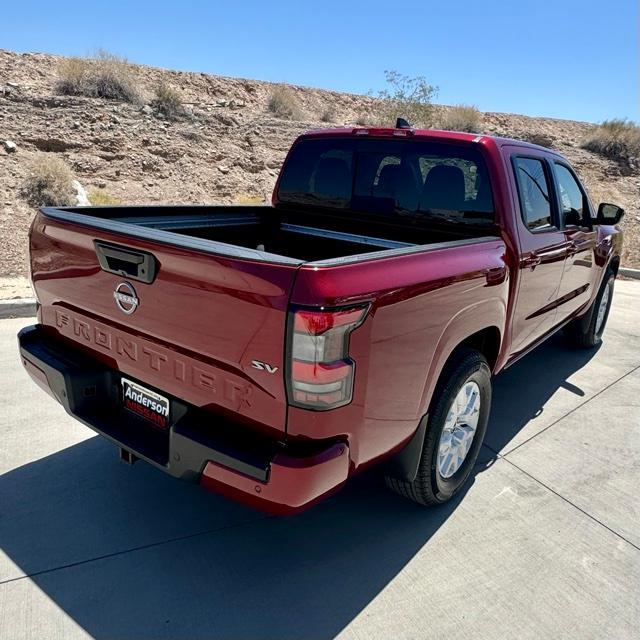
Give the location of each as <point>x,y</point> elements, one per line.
<point>126,262</point>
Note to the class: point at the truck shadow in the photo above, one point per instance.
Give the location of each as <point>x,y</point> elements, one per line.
<point>133,553</point>
<point>228,573</point>
<point>521,391</point>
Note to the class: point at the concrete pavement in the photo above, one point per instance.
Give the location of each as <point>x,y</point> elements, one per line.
<point>545,543</point>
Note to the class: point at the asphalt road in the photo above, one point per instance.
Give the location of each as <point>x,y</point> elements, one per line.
<point>545,543</point>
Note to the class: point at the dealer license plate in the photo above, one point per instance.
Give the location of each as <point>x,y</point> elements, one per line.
<point>146,403</point>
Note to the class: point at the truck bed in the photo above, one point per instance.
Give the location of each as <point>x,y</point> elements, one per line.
<point>208,291</point>
<point>266,233</point>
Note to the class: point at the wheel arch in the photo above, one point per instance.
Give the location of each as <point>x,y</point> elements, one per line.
<point>403,466</point>
<point>487,341</point>
<point>481,327</point>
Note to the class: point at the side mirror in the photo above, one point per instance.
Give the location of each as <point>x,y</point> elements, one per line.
<point>609,213</point>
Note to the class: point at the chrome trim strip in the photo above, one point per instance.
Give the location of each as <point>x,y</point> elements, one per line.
<point>347,237</point>
<point>189,222</point>
<point>391,253</point>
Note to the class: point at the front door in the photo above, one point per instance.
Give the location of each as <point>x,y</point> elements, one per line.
<point>543,249</point>
<point>580,271</point>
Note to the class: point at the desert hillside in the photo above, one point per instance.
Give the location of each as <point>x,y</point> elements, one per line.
<point>227,145</point>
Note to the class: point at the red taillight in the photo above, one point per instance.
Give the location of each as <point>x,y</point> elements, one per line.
<point>320,370</point>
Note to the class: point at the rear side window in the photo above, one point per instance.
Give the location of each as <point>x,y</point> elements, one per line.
<point>389,177</point>
<point>533,190</point>
<point>319,173</point>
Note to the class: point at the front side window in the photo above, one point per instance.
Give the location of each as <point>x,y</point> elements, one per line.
<point>446,182</point>
<point>533,190</point>
<point>572,199</point>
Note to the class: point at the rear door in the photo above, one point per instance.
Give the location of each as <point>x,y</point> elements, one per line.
<point>578,278</point>
<point>543,247</point>
<point>209,329</point>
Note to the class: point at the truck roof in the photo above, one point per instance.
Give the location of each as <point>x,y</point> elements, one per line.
<point>431,134</point>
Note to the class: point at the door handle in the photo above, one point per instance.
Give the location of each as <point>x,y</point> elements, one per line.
<point>572,248</point>
<point>532,260</point>
<point>126,262</point>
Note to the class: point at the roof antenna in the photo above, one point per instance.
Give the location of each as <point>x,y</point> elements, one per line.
<point>401,123</point>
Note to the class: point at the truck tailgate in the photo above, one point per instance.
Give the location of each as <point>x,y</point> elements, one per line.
<point>195,330</point>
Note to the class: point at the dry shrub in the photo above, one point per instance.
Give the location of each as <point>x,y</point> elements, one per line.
<point>406,97</point>
<point>284,104</point>
<point>462,117</point>
<point>618,139</point>
<point>249,198</point>
<point>167,101</point>
<point>602,192</point>
<point>103,76</point>
<point>114,78</point>
<point>99,197</point>
<point>540,139</point>
<point>73,76</point>
<point>328,115</point>
<point>363,120</point>
<point>375,119</point>
<point>49,182</point>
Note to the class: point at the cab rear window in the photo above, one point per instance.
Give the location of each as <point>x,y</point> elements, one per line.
<point>389,177</point>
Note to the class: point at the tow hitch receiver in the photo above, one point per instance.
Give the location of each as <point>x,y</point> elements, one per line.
<point>127,456</point>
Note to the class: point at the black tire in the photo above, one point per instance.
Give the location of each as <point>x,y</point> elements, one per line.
<point>582,332</point>
<point>429,486</point>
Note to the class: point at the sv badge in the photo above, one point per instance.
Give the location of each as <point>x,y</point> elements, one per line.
<point>263,366</point>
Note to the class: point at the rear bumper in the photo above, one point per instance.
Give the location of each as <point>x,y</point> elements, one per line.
<point>197,446</point>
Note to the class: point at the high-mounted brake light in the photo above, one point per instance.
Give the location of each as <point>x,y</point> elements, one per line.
<point>382,131</point>
<point>320,370</point>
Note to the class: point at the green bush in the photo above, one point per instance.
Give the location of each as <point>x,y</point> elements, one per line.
<point>103,76</point>
<point>48,182</point>
<point>409,98</point>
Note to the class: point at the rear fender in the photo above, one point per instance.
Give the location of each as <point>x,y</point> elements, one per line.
<point>468,321</point>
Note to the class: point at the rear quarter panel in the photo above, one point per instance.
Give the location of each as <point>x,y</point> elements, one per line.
<point>422,306</point>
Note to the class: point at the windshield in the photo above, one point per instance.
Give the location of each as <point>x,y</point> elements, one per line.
<point>421,179</point>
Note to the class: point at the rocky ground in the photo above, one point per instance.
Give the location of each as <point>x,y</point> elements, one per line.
<point>228,147</point>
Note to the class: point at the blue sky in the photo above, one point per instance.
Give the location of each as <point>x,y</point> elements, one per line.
<point>561,58</point>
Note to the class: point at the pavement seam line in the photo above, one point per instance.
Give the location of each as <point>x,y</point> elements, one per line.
<point>555,422</point>
<point>142,547</point>
<point>559,495</point>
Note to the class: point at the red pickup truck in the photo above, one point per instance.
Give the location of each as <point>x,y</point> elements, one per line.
<point>270,352</point>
